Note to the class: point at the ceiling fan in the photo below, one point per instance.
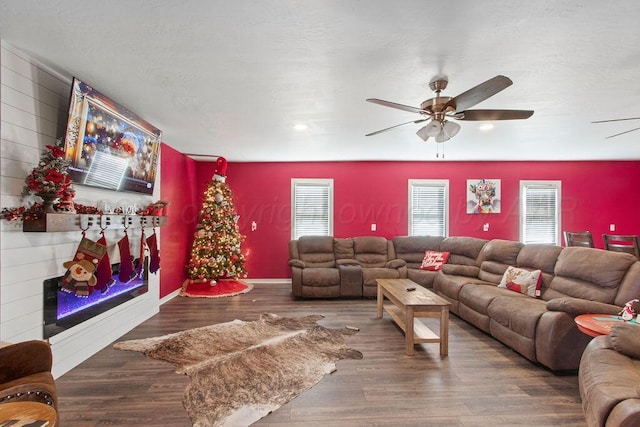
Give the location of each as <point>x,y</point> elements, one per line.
<point>619,120</point>
<point>436,111</point>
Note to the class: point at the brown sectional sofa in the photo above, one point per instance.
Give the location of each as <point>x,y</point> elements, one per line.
<point>575,280</point>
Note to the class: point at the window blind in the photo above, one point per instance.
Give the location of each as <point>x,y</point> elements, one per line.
<point>540,213</point>
<point>428,208</point>
<point>312,202</point>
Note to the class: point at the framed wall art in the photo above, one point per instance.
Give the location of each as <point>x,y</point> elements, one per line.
<point>483,196</point>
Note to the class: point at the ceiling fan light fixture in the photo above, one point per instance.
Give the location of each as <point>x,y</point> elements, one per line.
<point>423,133</point>
<point>450,128</point>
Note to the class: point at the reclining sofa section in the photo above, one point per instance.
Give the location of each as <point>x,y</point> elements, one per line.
<point>575,280</point>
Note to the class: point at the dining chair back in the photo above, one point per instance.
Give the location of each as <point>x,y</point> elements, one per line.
<point>622,243</point>
<point>578,238</point>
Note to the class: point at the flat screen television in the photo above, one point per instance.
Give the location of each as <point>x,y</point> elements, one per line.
<point>107,145</point>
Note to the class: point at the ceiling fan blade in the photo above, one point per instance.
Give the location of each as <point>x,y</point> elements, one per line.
<point>477,115</point>
<point>621,133</point>
<point>395,126</point>
<point>616,120</point>
<point>396,105</point>
<point>479,93</point>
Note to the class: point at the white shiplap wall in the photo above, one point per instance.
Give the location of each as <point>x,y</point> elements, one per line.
<point>33,113</point>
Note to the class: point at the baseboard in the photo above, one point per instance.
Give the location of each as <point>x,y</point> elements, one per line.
<point>267,281</point>
<point>176,293</point>
<point>170,296</point>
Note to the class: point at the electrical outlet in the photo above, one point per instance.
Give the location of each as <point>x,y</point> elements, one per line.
<point>485,227</point>
<point>373,227</point>
<point>612,227</point>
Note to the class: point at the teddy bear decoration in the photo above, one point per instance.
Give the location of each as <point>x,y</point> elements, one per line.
<point>80,277</point>
<point>630,310</point>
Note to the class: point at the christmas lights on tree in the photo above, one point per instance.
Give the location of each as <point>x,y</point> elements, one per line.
<point>217,252</point>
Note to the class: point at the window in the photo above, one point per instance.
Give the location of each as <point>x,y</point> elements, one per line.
<point>540,212</point>
<point>311,207</point>
<point>428,207</point>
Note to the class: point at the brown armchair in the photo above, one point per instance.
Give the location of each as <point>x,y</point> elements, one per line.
<point>608,378</point>
<point>25,373</point>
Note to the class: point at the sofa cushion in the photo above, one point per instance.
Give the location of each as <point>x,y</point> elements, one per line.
<point>412,248</point>
<point>587,273</point>
<point>478,297</point>
<point>343,248</point>
<point>370,251</point>
<point>464,250</point>
<point>318,277</point>
<point>434,260</point>
<point>630,286</point>
<point>316,251</point>
<point>519,314</point>
<point>504,251</point>
<point>539,257</point>
<point>422,277</point>
<point>497,255</point>
<point>369,275</point>
<point>522,281</point>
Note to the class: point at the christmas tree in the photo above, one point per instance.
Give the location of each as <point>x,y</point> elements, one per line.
<point>216,252</point>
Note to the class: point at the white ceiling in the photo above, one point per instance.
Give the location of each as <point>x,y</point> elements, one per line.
<point>232,77</point>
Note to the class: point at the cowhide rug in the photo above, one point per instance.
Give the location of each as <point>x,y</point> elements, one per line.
<point>240,371</point>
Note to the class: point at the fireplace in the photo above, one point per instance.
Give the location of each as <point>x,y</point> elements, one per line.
<point>63,310</point>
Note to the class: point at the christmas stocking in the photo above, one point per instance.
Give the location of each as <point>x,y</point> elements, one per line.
<point>127,270</point>
<point>140,267</point>
<point>104,272</point>
<point>154,253</point>
<point>80,277</point>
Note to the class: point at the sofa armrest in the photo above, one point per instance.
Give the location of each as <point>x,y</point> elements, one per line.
<point>576,306</point>
<point>395,263</point>
<point>625,338</point>
<point>24,359</point>
<point>347,261</point>
<point>296,263</point>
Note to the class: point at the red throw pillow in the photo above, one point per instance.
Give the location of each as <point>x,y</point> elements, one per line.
<point>433,260</point>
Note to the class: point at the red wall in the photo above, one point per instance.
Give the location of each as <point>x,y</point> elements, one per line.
<point>177,176</point>
<point>594,194</point>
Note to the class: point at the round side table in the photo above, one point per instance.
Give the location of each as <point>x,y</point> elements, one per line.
<point>598,324</point>
<point>28,411</point>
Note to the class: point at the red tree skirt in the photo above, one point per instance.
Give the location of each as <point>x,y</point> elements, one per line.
<point>224,288</point>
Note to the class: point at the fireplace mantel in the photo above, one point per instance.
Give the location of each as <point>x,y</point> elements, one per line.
<point>54,222</point>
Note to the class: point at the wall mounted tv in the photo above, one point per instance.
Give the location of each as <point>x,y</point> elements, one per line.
<point>107,145</point>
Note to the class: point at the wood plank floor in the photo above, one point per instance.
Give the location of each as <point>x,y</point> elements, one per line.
<point>480,383</point>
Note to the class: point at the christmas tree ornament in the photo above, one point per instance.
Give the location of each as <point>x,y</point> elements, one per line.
<point>221,170</point>
<point>80,277</point>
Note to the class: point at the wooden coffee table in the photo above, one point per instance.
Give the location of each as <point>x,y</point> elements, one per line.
<point>598,324</point>
<point>408,306</point>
